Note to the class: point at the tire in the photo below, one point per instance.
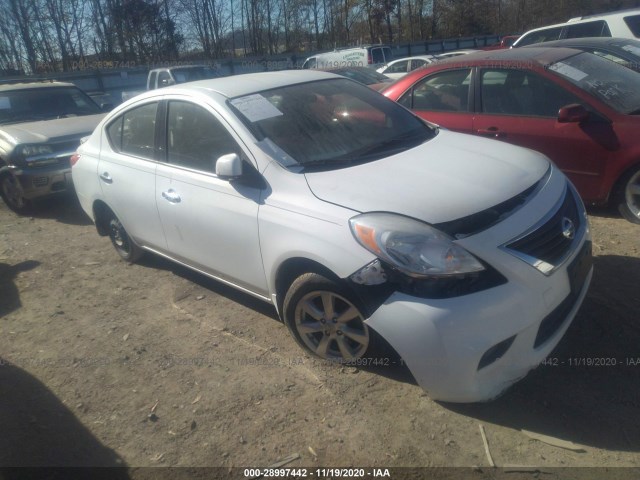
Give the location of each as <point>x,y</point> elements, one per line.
<point>325,319</point>
<point>11,193</point>
<point>126,248</point>
<point>628,196</point>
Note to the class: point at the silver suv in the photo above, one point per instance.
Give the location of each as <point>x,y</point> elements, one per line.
<point>41,125</point>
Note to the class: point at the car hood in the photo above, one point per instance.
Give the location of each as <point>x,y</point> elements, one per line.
<point>44,131</point>
<point>449,177</point>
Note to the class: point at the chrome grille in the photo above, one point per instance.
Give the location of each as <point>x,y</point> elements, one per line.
<point>550,242</point>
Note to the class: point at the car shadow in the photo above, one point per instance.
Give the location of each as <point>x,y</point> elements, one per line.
<point>38,430</point>
<point>587,390</point>
<point>158,262</point>
<point>604,211</point>
<point>62,208</point>
<point>9,294</point>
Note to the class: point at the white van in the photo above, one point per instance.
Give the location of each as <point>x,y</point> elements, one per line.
<point>364,56</point>
<point>622,24</point>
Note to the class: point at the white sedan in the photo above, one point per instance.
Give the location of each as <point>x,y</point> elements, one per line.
<point>353,217</point>
<point>402,66</point>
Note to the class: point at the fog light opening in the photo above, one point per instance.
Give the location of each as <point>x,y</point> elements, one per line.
<point>495,352</point>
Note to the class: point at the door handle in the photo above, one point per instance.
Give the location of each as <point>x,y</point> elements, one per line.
<point>106,178</point>
<point>492,132</point>
<point>171,196</point>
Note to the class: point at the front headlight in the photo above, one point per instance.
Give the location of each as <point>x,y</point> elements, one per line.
<point>26,151</point>
<point>413,247</point>
<point>35,155</point>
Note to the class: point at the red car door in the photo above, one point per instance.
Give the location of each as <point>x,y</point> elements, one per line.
<point>443,98</point>
<point>521,107</point>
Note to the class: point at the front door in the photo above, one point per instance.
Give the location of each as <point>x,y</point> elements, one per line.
<point>443,98</point>
<point>521,107</point>
<point>210,223</point>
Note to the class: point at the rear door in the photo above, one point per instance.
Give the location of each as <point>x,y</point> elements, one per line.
<point>521,107</point>
<point>210,223</point>
<point>126,173</point>
<point>443,98</point>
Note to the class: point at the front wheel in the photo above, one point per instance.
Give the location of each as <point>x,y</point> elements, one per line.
<point>126,248</point>
<point>325,320</point>
<point>11,192</point>
<point>628,198</point>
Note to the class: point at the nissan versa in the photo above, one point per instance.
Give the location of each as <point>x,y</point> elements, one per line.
<point>350,215</point>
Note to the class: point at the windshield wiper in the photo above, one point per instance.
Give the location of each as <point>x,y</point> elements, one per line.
<point>634,112</point>
<point>404,141</point>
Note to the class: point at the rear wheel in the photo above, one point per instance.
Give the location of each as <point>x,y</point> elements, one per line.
<point>11,192</point>
<point>325,319</point>
<point>628,198</point>
<point>126,248</point>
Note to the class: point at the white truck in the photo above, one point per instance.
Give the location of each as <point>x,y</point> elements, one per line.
<point>164,77</point>
<point>364,56</point>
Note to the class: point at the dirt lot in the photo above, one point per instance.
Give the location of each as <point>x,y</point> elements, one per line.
<point>102,363</point>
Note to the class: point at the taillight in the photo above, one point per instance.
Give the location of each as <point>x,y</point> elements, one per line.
<point>369,59</point>
<point>74,158</point>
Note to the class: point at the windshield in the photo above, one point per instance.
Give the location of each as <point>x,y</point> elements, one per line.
<point>331,122</point>
<point>44,104</point>
<point>611,83</point>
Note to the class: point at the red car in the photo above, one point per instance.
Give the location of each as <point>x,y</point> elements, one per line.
<point>581,110</point>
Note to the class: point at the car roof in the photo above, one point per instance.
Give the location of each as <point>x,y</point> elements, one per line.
<point>33,85</point>
<point>245,84</point>
<point>539,54</point>
<point>589,42</point>
<point>414,57</point>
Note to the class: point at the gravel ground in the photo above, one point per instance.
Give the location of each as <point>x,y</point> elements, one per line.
<point>104,363</point>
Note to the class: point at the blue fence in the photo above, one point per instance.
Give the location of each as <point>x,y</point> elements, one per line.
<point>108,80</point>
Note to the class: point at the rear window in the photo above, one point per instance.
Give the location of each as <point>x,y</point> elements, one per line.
<point>588,29</point>
<point>633,22</point>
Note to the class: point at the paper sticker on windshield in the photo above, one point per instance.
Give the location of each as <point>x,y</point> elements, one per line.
<point>568,71</point>
<point>632,49</point>
<point>5,103</point>
<point>256,107</point>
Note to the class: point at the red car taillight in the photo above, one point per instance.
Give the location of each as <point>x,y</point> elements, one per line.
<point>74,158</point>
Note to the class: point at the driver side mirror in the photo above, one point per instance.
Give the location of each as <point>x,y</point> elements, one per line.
<point>229,166</point>
<point>574,113</point>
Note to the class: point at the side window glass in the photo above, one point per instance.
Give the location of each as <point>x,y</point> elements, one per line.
<point>114,133</point>
<point>519,92</point>
<point>541,36</point>
<point>195,138</point>
<point>447,91</point>
<point>377,56</point>
<point>588,29</point>
<point>633,22</point>
<point>400,67</point>
<point>134,132</point>
<point>163,79</point>
<point>417,63</point>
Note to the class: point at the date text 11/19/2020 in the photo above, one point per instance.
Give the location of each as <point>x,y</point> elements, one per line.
<point>591,362</point>
<point>316,472</point>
